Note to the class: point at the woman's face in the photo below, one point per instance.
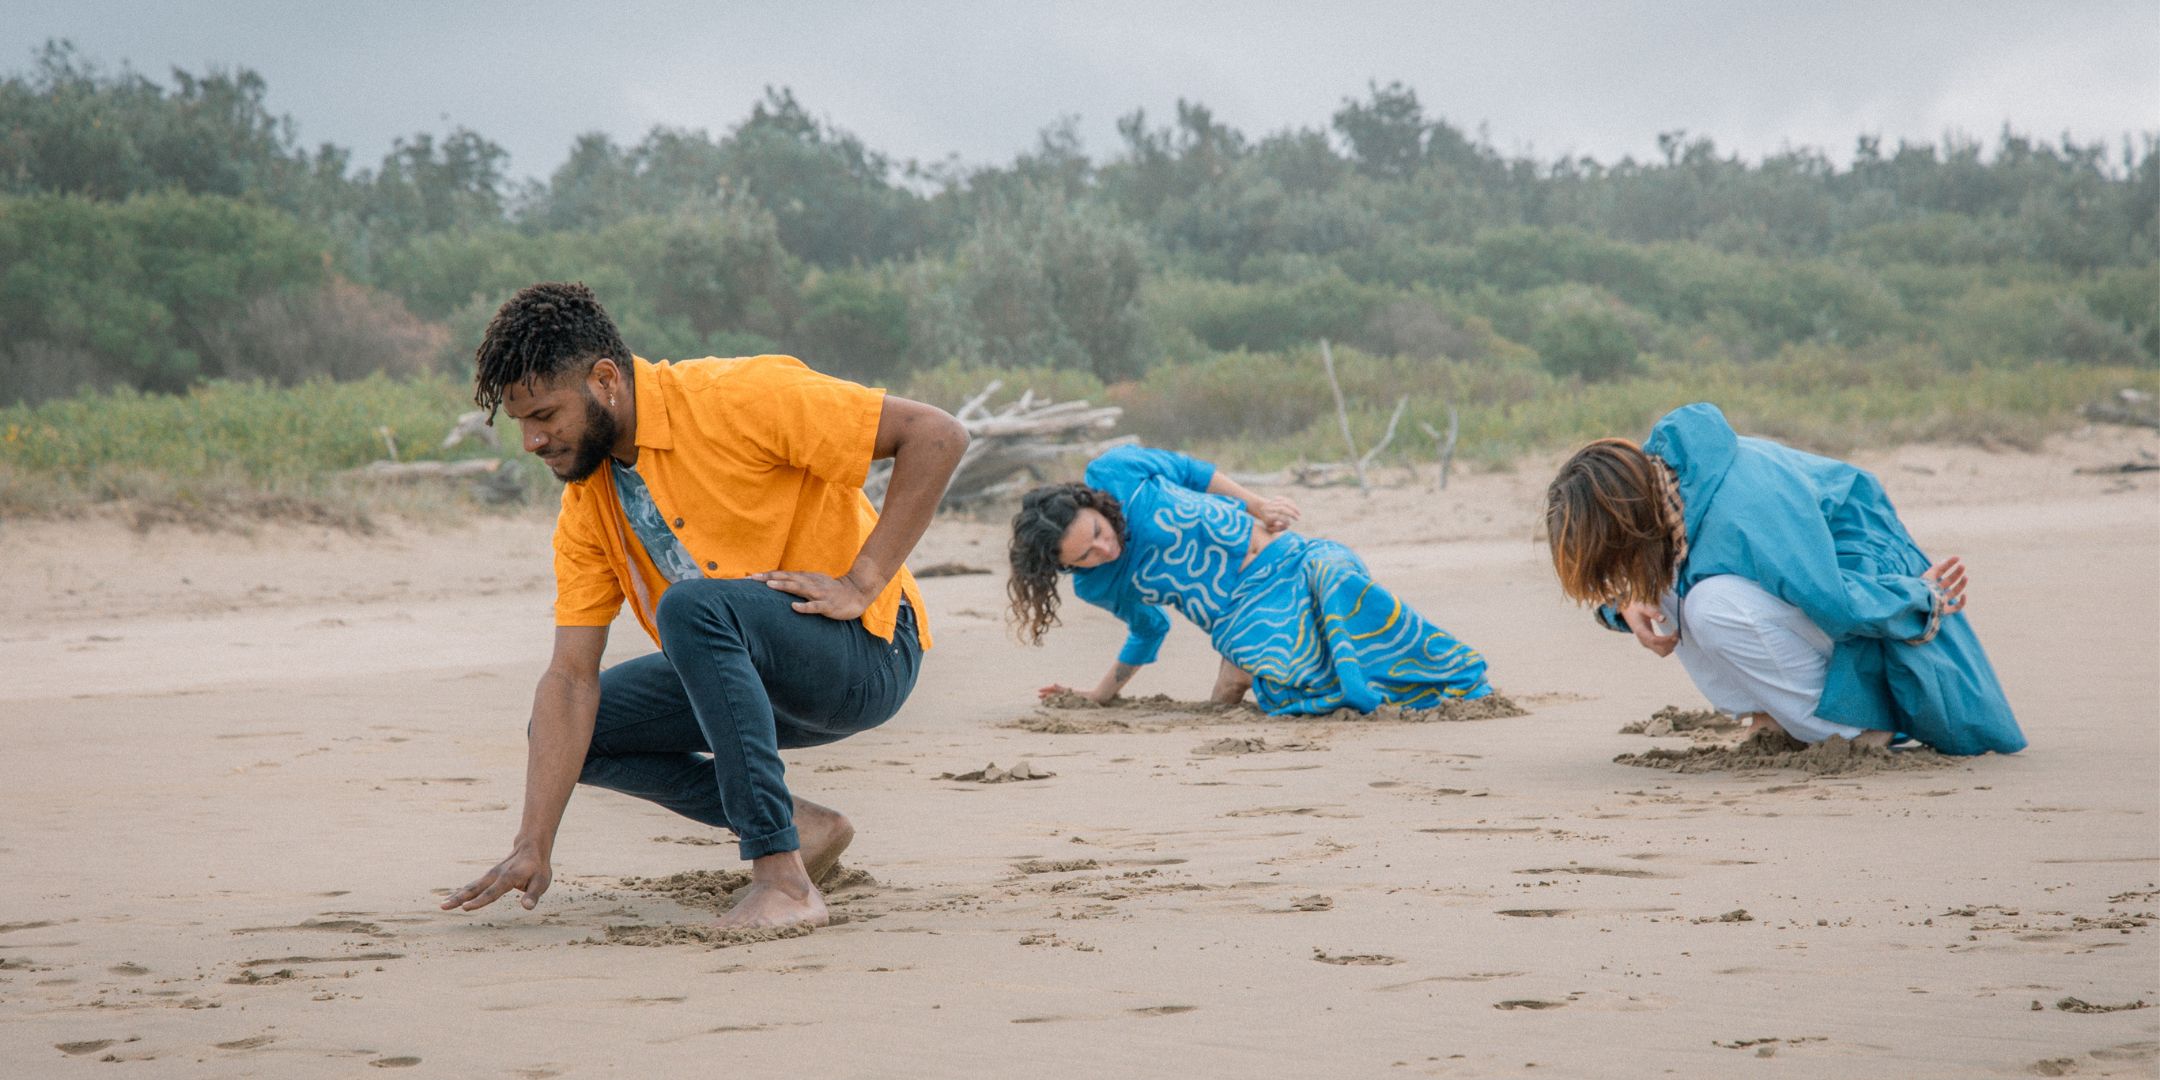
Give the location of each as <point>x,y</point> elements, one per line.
<point>1089,541</point>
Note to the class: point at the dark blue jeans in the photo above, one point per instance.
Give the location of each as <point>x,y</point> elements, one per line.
<point>698,727</point>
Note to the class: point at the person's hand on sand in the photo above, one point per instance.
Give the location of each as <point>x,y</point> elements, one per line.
<point>835,598</point>
<point>1948,580</point>
<point>1054,689</point>
<point>1643,620</point>
<point>1276,513</point>
<point>526,870</point>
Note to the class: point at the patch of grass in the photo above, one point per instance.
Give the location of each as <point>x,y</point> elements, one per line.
<point>1821,398</point>
<point>226,454</point>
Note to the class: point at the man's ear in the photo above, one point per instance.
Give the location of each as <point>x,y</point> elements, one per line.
<point>606,376</point>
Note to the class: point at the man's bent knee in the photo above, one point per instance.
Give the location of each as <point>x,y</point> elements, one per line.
<point>690,604</point>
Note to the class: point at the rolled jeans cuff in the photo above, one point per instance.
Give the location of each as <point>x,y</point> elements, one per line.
<point>772,843</point>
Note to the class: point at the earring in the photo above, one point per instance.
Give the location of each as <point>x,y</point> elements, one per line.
<point>611,401</point>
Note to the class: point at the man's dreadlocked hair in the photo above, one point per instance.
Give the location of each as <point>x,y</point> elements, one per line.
<point>543,332</point>
<point>1038,530</point>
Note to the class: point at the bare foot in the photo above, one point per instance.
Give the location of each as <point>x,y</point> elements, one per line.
<point>1872,740</point>
<point>824,833</point>
<point>1760,724</point>
<point>779,894</point>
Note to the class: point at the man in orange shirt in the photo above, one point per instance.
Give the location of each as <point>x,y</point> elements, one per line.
<point>723,499</point>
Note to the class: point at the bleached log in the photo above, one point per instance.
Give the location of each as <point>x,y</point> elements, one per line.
<point>1020,438</point>
<point>975,404</point>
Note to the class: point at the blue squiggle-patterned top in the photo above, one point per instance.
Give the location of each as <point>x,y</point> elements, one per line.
<point>1183,548</point>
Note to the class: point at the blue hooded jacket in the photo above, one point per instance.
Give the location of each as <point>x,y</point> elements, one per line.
<point>1820,535</point>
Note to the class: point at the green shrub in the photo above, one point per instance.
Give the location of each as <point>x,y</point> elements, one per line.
<point>1584,338</point>
<point>853,324</point>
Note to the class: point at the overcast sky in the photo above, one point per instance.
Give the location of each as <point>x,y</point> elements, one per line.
<point>980,79</point>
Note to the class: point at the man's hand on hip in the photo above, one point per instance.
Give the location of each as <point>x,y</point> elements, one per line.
<point>834,598</point>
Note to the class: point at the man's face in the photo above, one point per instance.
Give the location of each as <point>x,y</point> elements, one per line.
<point>564,425</point>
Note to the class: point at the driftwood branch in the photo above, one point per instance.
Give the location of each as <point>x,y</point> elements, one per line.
<point>1342,414</point>
<point>2134,408</point>
<point>472,425</point>
<point>1447,446</point>
<point>1008,449</point>
<point>1386,437</point>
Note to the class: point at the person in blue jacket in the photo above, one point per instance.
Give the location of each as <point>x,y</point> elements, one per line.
<point>1783,581</point>
<point>1297,620</point>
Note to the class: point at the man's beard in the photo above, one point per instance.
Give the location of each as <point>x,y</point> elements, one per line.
<point>594,446</point>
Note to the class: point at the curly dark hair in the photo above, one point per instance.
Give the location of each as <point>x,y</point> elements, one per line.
<point>1038,531</point>
<point>545,331</point>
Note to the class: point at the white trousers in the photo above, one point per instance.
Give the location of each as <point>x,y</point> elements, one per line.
<point>1750,652</point>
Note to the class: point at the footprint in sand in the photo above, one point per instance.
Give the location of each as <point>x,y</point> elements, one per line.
<point>1597,871</point>
<point>1055,866</point>
<point>128,969</point>
<point>355,958</point>
<point>1355,959</point>
<point>249,1043</point>
<point>395,1062</point>
<point>1529,1003</point>
<point>1296,811</point>
<point>88,1046</point>
<point>342,926</point>
<point>1475,976</point>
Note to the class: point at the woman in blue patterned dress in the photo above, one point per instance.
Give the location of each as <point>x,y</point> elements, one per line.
<point>1298,620</point>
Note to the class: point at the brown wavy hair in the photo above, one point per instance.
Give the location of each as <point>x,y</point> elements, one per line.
<point>1038,530</point>
<point>1617,529</point>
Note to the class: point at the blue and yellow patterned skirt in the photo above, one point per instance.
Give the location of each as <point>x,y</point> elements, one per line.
<point>1318,634</point>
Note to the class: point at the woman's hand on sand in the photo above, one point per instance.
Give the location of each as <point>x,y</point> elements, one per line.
<point>526,870</point>
<point>1276,513</point>
<point>1643,619</point>
<point>834,598</point>
<point>1948,580</point>
<point>1055,689</point>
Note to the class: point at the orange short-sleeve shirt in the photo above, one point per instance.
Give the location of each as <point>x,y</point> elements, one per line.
<point>756,463</point>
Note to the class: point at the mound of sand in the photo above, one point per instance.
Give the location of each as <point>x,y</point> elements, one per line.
<point>1674,720</point>
<point>1161,712</point>
<point>1776,750</point>
<point>679,934</point>
<point>714,890</point>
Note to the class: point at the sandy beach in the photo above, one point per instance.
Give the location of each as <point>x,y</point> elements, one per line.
<point>241,770</point>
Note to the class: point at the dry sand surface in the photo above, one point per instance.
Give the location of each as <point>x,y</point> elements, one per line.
<point>241,770</point>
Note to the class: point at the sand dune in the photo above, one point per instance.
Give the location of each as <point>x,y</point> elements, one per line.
<point>240,771</point>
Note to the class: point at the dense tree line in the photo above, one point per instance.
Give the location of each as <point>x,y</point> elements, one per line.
<point>156,234</point>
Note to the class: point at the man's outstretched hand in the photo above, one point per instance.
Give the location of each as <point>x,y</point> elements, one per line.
<point>526,870</point>
<point>834,598</point>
